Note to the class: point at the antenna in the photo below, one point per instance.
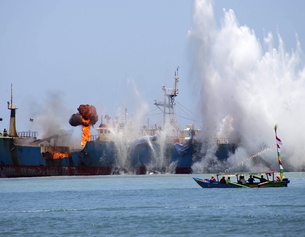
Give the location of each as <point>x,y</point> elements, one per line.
<point>12,132</point>
<point>10,104</point>
<point>11,94</point>
<point>167,106</point>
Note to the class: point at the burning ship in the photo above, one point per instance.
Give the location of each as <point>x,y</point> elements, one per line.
<point>112,151</point>
<point>23,155</point>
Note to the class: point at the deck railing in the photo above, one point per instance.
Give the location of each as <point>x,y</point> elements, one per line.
<point>27,134</point>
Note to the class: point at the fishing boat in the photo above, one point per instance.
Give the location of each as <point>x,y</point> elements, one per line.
<point>244,180</point>
<point>266,179</point>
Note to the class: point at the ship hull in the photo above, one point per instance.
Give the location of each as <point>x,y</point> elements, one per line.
<point>13,171</point>
<point>32,161</point>
<point>97,158</point>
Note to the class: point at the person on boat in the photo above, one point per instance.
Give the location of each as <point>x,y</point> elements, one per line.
<point>242,180</point>
<point>223,180</point>
<point>212,179</point>
<point>228,180</point>
<point>251,180</point>
<point>278,178</point>
<point>262,179</point>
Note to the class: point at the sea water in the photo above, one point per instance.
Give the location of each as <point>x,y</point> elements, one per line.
<point>150,205</point>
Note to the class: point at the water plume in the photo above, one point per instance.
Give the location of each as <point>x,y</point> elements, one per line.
<point>246,87</point>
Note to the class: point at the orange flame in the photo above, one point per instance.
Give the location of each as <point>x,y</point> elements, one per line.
<point>59,155</point>
<point>85,135</point>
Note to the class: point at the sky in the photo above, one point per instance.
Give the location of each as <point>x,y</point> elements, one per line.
<point>110,54</point>
<point>118,54</point>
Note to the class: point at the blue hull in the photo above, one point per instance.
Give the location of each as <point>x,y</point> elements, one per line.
<point>30,161</point>
<point>96,158</point>
<point>204,183</point>
<point>144,154</point>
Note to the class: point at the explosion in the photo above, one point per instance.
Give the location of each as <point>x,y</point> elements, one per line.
<point>246,86</point>
<point>86,117</point>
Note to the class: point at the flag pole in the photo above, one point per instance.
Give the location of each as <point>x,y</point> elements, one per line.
<point>278,144</point>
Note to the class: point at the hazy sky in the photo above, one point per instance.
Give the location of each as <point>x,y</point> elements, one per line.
<point>114,54</point>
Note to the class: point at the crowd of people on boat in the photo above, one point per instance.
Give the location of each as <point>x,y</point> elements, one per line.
<point>242,179</point>
<point>223,180</point>
<point>250,180</point>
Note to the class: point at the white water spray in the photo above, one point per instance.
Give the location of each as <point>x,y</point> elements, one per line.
<point>247,87</point>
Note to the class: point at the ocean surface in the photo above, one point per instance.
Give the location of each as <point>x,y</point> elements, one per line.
<point>151,205</point>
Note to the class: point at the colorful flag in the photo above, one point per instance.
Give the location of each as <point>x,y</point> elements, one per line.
<point>278,145</point>
<point>278,141</point>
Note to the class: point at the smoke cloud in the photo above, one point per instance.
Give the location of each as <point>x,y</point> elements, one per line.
<point>87,116</point>
<point>246,87</point>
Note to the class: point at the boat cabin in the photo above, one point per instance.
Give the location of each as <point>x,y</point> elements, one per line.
<point>104,133</point>
<point>250,178</point>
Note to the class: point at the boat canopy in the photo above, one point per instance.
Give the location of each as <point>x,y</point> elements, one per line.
<point>269,172</point>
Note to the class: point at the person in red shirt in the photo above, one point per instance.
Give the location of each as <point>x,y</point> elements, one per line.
<point>212,179</point>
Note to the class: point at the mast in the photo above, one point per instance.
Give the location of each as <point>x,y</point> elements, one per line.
<point>12,108</point>
<point>278,144</point>
<point>167,106</point>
